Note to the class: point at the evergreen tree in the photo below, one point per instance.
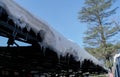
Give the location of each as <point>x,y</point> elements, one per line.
<point>98,37</point>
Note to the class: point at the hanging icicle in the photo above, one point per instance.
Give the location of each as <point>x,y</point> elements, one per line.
<point>48,36</point>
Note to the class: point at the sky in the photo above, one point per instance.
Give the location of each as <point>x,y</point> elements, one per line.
<point>62,15</point>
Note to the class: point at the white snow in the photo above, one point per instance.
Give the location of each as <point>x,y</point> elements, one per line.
<point>115,57</point>
<point>53,39</point>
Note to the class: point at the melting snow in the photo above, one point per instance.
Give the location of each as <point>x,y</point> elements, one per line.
<point>52,38</point>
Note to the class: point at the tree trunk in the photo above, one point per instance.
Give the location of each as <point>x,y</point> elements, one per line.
<point>103,39</point>
<point>101,30</point>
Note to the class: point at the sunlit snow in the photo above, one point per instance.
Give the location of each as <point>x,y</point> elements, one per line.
<point>52,38</point>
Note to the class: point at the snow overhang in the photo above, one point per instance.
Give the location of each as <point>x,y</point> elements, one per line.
<point>50,37</point>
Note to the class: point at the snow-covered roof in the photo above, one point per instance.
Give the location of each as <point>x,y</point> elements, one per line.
<point>52,38</point>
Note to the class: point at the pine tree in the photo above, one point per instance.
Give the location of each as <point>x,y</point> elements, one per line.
<point>101,30</point>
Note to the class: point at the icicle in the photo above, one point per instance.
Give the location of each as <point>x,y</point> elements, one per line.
<point>59,58</point>
<point>8,19</point>
<point>68,58</point>
<point>40,45</point>
<point>44,49</point>
<point>80,64</point>
<point>26,36</point>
